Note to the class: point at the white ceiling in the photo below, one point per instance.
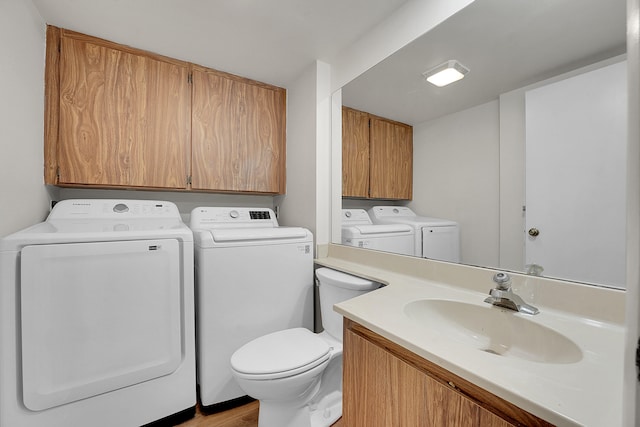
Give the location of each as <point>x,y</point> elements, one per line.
<point>507,44</point>
<point>272,41</point>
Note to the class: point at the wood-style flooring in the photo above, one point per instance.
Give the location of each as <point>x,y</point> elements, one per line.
<point>242,416</point>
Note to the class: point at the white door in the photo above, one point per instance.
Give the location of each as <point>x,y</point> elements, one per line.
<point>97,317</point>
<point>631,382</point>
<point>576,138</point>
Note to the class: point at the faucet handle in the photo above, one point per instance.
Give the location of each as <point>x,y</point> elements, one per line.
<point>503,281</point>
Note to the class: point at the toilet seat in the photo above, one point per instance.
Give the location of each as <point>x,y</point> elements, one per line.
<point>280,354</point>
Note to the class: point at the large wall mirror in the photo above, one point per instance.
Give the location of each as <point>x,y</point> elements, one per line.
<point>510,150</point>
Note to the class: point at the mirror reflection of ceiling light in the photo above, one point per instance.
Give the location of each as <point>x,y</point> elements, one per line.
<point>447,73</point>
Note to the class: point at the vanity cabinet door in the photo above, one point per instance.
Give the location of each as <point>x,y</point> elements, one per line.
<point>391,160</point>
<point>385,385</point>
<point>238,134</point>
<point>355,153</point>
<point>379,389</point>
<point>124,116</point>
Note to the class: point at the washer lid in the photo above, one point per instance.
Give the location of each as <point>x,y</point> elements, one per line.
<point>281,352</point>
<point>383,229</point>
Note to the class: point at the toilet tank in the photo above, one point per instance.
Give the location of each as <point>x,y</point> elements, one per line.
<point>335,287</point>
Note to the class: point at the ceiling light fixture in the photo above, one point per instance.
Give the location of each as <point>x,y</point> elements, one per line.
<point>447,73</point>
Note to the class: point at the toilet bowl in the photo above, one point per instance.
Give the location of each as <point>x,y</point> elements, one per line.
<point>296,374</point>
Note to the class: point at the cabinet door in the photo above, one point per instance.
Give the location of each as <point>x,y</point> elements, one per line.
<point>355,153</point>
<point>124,117</point>
<point>381,390</point>
<point>238,140</point>
<point>391,160</point>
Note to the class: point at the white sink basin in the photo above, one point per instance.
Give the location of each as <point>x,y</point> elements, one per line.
<point>494,330</point>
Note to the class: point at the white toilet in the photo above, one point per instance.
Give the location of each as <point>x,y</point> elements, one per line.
<point>296,374</point>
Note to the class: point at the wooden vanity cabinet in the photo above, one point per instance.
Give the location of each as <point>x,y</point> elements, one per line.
<point>123,117</point>
<point>377,157</point>
<point>239,130</point>
<point>385,385</point>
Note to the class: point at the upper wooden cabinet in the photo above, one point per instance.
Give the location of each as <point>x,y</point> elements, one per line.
<point>377,157</point>
<point>124,117</point>
<point>120,117</point>
<point>238,134</point>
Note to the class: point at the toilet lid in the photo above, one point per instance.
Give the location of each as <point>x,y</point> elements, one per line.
<point>281,353</point>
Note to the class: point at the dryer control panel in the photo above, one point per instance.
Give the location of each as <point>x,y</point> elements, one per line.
<point>220,217</point>
<point>112,209</point>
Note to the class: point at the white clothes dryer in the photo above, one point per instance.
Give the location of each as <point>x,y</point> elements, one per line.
<point>358,230</point>
<point>435,238</point>
<point>97,317</point>
<point>253,277</point>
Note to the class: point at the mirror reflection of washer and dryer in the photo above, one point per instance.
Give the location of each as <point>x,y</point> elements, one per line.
<point>399,230</point>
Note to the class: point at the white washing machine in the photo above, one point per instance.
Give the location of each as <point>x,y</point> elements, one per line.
<point>253,277</point>
<point>436,238</point>
<point>358,230</point>
<point>97,317</point>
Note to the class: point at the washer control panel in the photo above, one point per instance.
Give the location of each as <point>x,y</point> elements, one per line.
<point>391,211</point>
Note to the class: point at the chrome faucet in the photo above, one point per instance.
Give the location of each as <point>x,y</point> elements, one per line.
<point>503,296</point>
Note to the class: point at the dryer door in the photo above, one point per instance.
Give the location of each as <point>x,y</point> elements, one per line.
<point>97,317</point>
<point>441,243</point>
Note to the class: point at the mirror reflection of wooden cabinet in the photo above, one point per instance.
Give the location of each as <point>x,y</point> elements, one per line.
<point>377,157</point>
<point>387,385</point>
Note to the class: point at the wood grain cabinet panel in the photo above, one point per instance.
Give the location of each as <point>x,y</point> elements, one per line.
<point>124,118</point>
<point>355,153</point>
<point>238,134</point>
<point>387,385</point>
<point>116,116</point>
<point>377,157</point>
<point>391,163</point>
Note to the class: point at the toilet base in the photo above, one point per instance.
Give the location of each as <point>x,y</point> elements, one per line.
<point>321,414</point>
<point>327,411</point>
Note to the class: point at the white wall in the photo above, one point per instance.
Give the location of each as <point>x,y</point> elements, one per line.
<point>324,153</point>
<point>456,174</point>
<point>297,208</point>
<point>24,199</point>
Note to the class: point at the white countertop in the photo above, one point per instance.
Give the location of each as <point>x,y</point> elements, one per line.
<point>587,392</point>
